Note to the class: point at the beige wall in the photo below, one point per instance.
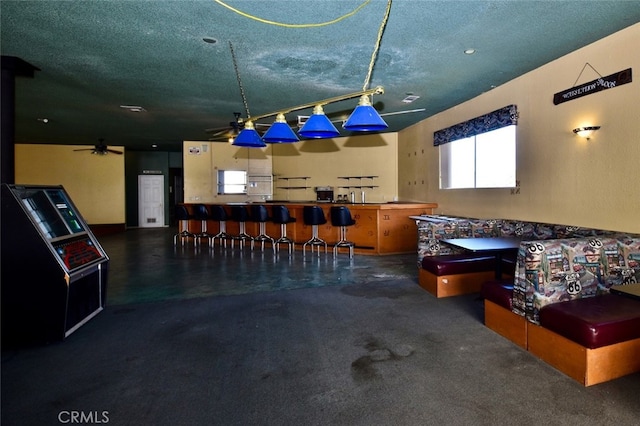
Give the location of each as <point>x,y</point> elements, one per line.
<point>563,178</point>
<point>325,160</point>
<point>202,160</point>
<point>95,183</point>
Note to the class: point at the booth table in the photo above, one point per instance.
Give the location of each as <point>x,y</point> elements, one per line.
<point>493,245</point>
<point>380,228</point>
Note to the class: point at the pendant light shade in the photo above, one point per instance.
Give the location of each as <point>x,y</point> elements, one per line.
<point>280,132</point>
<point>318,126</point>
<point>365,118</point>
<point>249,137</point>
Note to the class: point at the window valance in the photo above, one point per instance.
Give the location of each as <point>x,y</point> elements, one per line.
<point>502,117</point>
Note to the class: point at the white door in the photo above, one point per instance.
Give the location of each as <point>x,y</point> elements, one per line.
<point>150,201</point>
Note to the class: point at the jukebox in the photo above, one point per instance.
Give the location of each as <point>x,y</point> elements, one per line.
<point>54,271</point>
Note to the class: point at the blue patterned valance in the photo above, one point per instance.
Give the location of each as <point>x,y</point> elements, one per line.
<point>502,117</point>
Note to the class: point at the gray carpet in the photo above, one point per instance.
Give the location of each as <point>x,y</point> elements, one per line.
<point>376,353</point>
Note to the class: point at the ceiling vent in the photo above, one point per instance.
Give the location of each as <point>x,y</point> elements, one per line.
<point>410,98</point>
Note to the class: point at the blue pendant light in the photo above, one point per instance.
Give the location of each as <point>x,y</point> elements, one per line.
<point>318,126</point>
<point>280,132</point>
<point>249,138</point>
<point>365,118</point>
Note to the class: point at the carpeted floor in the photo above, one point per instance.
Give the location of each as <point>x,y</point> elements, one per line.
<point>368,351</point>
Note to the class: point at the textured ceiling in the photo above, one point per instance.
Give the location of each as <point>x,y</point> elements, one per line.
<point>95,56</point>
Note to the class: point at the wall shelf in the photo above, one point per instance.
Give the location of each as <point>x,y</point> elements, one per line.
<point>360,185</point>
<point>286,178</point>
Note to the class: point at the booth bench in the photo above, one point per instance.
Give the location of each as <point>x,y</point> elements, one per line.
<point>560,309</point>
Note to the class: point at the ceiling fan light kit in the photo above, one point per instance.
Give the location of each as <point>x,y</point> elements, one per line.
<point>100,149</point>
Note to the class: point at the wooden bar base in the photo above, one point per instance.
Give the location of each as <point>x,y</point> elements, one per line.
<point>506,323</point>
<point>380,229</point>
<point>453,285</point>
<point>587,366</point>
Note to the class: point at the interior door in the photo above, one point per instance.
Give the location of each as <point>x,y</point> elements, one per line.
<point>150,201</point>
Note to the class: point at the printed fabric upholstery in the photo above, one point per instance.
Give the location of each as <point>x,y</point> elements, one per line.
<point>555,271</point>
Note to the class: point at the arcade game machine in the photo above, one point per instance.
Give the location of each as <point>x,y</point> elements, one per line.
<point>54,271</point>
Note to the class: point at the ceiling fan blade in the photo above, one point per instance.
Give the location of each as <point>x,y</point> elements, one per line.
<point>406,111</point>
<point>113,151</point>
<point>84,149</point>
<point>218,130</point>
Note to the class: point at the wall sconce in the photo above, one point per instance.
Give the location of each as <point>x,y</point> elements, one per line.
<point>585,132</point>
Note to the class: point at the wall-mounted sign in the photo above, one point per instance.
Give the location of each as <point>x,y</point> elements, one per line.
<point>194,150</point>
<point>598,85</point>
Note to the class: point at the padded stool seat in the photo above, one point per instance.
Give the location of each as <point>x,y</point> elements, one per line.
<point>314,216</point>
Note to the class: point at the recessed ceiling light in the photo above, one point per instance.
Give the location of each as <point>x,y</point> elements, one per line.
<point>43,120</point>
<point>469,51</point>
<point>154,145</point>
<point>133,108</point>
<point>209,40</point>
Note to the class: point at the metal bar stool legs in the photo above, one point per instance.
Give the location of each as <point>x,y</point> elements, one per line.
<point>183,217</point>
<point>314,216</point>
<point>219,214</point>
<point>201,212</point>
<point>341,216</point>
<point>280,214</point>
<point>241,215</point>
<point>260,214</point>
<point>343,243</point>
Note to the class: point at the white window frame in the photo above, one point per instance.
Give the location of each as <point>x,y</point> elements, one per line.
<point>232,182</point>
<point>486,160</point>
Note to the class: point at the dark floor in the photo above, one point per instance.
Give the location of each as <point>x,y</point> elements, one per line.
<point>234,337</point>
<point>145,266</point>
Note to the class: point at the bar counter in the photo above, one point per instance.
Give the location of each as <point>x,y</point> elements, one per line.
<point>380,228</point>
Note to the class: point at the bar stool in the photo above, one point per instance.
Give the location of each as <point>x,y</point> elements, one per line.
<point>260,214</point>
<point>314,216</point>
<point>219,214</point>
<point>201,213</point>
<point>240,214</point>
<point>341,216</point>
<point>183,217</point>
<point>280,215</point>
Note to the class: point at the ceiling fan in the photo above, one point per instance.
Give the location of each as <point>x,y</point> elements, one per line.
<point>100,149</point>
<point>224,134</point>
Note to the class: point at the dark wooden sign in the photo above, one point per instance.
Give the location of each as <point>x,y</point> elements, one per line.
<point>597,85</point>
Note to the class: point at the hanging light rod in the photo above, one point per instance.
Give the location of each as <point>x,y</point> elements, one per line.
<point>378,90</point>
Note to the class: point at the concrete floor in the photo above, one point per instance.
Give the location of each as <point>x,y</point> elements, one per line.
<point>145,266</point>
